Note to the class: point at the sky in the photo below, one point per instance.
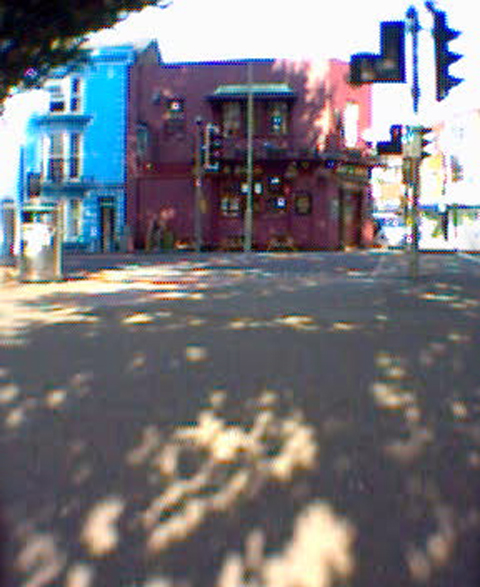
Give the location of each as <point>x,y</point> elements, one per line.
<point>198,30</point>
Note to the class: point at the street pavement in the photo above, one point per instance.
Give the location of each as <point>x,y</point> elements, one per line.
<point>228,420</point>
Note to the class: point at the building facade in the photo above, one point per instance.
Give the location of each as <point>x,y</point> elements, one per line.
<point>449,203</point>
<point>309,172</point>
<point>76,150</point>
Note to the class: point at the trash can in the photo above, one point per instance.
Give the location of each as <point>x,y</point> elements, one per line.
<point>41,248</point>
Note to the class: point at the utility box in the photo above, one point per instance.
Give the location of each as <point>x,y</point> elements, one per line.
<point>8,223</point>
<point>41,242</point>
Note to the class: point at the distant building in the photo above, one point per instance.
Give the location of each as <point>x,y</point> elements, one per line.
<point>311,166</point>
<point>449,203</point>
<point>76,149</point>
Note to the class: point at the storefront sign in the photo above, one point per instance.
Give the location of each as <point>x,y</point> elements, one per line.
<point>353,172</point>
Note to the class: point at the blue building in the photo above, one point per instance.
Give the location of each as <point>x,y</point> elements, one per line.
<point>76,149</point>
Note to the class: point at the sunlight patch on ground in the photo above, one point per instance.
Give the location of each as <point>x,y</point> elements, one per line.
<point>387,395</point>
<point>139,318</point>
<point>21,305</point>
<point>100,533</point>
<point>17,315</point>
<point>318,554</point>
<point>207,466</point>
<point>16,417</point>
<point>55,398</point>
<point>295,322</point>
<point>393,393</point>
<point>40,559</point>
<point>195,353</point>
<point>344,326</point>
<point>438,547</point>
<point>80,575</point>
<point>9,393</point>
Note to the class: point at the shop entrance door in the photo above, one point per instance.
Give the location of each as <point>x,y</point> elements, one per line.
<point>107,225</point>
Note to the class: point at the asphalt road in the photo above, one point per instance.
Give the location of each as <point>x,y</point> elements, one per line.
<point>216,420</point>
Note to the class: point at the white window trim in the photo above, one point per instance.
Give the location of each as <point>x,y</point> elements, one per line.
<point>66,94</point>
<point>66,155</point>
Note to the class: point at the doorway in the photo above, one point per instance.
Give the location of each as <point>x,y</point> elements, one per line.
<point>107,225</point>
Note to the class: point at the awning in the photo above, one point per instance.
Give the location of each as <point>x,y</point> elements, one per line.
<point>278,91</point>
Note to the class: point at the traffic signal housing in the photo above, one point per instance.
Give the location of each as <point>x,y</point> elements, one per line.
<point>389,65</point>
<point>394,145</point>
<point>442,35</point>
<point>416,142</point>
<point>424,141</point>
<point>212,147</point>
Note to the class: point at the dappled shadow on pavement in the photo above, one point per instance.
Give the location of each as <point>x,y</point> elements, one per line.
<point>294,428</point>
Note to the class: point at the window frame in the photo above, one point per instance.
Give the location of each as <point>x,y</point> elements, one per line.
<point>283,127</point>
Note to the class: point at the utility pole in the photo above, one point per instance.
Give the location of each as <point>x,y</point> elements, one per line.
<point>198,178</point>
<point>248,227</point>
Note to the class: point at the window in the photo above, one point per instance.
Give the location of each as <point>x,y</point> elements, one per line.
<point>74,171</point>
<point>57,98</point>
<point>231,118</point>
<point>33,184</point>
<point>63,156</point>
<point>175,109</point>
<point>55,158</point>
<point>76,95</point>
<point>230,206</point>
<point>351,117</point>
<point>66,95</point>
<point>303,203</point>
<point>257,188</point>
<point>277,205</point>
<point>278,113</point>
<point>143,140</point>
<point>175,116</point>
<point>276,202</point>
<point>257,191</point>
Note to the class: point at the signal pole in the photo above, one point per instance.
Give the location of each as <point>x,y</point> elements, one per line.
<point>413,27</point>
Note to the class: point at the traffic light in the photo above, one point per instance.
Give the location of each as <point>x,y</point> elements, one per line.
<point>442,35</point>
<point>424,141</point>
<point>415,142</point>
<point>389,66</point>
<point>212,147</point>
<point>394,145</point>
<point>456,168</point>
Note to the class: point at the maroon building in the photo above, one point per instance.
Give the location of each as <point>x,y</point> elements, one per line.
<point>309,167</point>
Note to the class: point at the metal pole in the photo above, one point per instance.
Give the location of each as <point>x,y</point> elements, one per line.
<point>412,16</point>
<point>198,175</point>
<point>248,228</point>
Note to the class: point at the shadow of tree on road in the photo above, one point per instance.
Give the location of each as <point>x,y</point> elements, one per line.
<point>287,430</point>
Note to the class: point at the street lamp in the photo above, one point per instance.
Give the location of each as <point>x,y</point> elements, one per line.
<point>198,179</point>
<point>248,228</point>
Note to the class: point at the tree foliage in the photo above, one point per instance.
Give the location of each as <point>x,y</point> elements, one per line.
<point>37,36</point>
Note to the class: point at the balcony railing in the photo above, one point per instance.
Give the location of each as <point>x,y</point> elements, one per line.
<point>283,147</point>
